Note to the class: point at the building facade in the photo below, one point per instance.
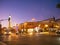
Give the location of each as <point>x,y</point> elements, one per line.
<point>48,24</point>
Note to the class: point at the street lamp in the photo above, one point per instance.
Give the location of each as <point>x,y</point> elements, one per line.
<point>9,19</point>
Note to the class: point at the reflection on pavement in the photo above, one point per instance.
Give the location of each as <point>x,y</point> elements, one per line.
<point>35,39</point>
<point>1,43</point>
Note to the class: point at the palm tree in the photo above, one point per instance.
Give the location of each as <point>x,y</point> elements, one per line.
<point>58,5</point>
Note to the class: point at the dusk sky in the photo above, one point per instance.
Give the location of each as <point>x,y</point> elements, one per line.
<point>24,10</point>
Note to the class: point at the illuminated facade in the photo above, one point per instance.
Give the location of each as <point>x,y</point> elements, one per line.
<point>48,24</point>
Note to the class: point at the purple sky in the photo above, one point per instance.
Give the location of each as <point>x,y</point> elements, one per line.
<point>25,10</point>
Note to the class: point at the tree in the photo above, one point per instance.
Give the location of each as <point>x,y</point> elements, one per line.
<point>58,5</point>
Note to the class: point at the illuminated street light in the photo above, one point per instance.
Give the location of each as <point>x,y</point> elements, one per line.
<point>9,19</point>
<point>9,16</point>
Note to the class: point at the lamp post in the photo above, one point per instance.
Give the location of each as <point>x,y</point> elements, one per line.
<point>9,21</point>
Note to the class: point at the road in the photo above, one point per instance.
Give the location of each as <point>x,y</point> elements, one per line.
<point>24,39</point>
